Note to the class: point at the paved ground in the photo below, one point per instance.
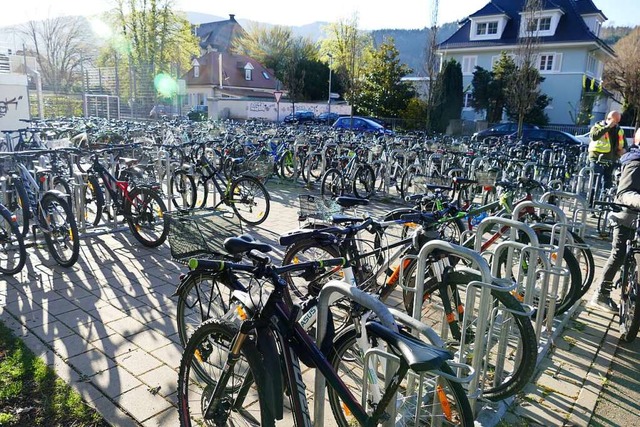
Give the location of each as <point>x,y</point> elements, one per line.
<point>107,326</point>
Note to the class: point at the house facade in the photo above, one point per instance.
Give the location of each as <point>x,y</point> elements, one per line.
<point>570,55</point>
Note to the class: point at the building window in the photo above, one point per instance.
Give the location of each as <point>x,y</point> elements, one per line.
<point>549,62</point>
<point>468,98</point>
<point>196,71</point>
<point>544,24</point>
<point>265,75</point>
<point>247,74</point>
<point>469,64</point>
<point>487,28</point>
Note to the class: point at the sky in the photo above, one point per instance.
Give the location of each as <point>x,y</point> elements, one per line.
<point>372,14</point>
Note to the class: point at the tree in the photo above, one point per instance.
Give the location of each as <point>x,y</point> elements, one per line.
<point>382,92</point>
<point>60,45</point>
<point>448,92</point>
<point>157,42</point>
<point>489,88</point>
<point>622,73</point>
<point>415,114</point>
<point>350,49</point>
<point>523,85</point>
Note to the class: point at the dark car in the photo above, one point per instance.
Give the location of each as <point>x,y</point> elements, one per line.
<point>327,118</point>
<point>500,129</point>
<point>547,136</point>
<point>360,124</point>
<point>300,117</point>
<point>198,113</point>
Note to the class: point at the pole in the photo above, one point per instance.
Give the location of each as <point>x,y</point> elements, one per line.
<point>330,62</point>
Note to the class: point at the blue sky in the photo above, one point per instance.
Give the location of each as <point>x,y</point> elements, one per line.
<point>371,14</point>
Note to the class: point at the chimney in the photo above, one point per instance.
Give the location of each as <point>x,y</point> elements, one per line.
<point>232,17</point>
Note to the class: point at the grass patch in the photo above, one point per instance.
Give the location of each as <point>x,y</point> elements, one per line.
<point>32,395</point>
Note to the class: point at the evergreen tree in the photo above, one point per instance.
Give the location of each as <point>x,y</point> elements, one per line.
<point>383,93</point>
<point>448,96</point>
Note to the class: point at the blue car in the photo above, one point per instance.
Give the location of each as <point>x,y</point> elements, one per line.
<point>360,124</point>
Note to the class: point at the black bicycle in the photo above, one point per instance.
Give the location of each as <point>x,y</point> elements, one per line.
<point>234,370</point>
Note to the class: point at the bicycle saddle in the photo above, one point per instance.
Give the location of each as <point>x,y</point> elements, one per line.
<point>349,202</point>
<point>240,245</point>
<point>420,356</point>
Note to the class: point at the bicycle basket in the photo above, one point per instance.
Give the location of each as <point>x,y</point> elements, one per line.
<point>201,235</point>
<point>316,207</point>
<point>259,167</point>
<point>486,177</point>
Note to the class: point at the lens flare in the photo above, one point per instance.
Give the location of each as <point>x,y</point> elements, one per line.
<point>166,85</point>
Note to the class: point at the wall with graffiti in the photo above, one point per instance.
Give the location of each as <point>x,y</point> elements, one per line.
<point>272,111</point>
<point>14,103</point>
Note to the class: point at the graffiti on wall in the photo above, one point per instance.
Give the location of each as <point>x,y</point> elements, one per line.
<point>4,105</point>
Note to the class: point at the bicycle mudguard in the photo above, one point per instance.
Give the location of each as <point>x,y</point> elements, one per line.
<point>272,384</point>
<point>58,193</point>
<point>184,279</point>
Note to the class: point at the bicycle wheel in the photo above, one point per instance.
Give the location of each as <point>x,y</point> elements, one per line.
<point>250,200</point>
<point>364,182</point>
<point>145,214</point>
<point>202,297</point>
<point>183,189</point>
<point>512,341</point>
<point>202,190</point>
<point>629,312</point>
<point>332,183</point>
<point>61,234</point>
<point>206,354</point>
<point>442,402</point>
<point>406,183</point>
<point>93,201</point>
<point>314,167</point>
<point>62,185</point>
<point>13,254</point>
<point>17,202</point>
<point>287,165</point>
<point>585,260</point>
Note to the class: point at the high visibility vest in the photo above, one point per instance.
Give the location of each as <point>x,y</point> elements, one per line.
<point>603,145</point>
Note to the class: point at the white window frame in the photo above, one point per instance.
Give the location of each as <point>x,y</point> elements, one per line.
<point>526,18</point>
<point>469,64</point>
<point>466,101</point>
<point>556,62</point>
<point>196,71</point>
<point>485,22</point>
<point>247,74</point>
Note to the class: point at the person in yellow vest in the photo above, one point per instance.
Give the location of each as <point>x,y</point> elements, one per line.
<point>606,146</point>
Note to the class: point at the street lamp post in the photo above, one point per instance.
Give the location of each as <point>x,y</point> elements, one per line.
<point>330,61</point>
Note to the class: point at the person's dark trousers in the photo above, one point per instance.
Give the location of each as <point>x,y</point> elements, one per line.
<point>606,171</point>
<point>616,258</point>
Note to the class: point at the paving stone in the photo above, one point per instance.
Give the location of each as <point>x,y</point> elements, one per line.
<point>107,313</point>
<point>537,407</point>
<point>22,304</point>
<point>51,331</point>
<point>113,414</point>
<point>137,361</point>
<point>59,306</point>
<point>164,377</point>
<point>113,382</point>
<point>143,405</point>
<point>114,345</point>
<point>126,326</point>
<point>75,318</point>
<point>169,354</point>
<point>91,362</point>
<point>169,417</point>
<point>70,346</point>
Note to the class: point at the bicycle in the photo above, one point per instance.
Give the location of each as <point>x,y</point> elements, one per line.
<point>629,279</point>
<point>49,209</point>
<point>349,171</point>
<point>236,383</point>
<point>140,203</point>
<point>13,254</point>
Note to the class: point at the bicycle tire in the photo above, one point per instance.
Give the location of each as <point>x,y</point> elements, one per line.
<point>406,182</point>
<point>346,358</point>
<point>62,238</point>
<point>250,200</point>
<point>364,182</point>
<point>145,212</point>
<point>287,165</point>
<point>94,201</point>
<point>202,186</point>
<point>11,245</point>
<point>525,344</point>
<point>629,311</point>
<point>16,201</point>
<point>202,297</point>
<point>207,349</point>
<point>314,167</point>
<point>62,185</point>
<point>183,189</point>
<point>332,183</point>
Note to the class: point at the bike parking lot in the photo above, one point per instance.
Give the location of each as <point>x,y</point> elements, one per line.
<point>108,323</point>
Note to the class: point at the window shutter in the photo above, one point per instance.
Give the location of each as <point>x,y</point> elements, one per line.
<point>557,62</point>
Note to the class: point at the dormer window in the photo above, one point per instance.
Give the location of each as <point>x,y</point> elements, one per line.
<point>488,27</point>
<point>539,24</point>
<point>248,71</point>
<point>196,68</point>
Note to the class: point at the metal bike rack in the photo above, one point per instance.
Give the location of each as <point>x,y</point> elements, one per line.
<point>576,203</point>
<point>587,174</point>
<point>79,194</point>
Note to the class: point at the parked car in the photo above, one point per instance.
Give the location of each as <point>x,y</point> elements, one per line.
<point>198,113</point>
<point>300,117</point>
<point>327,118</point>
<point>545,135</point>
<point>629,132</point>
<point>360,124</point>
<point>500,129</point>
